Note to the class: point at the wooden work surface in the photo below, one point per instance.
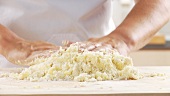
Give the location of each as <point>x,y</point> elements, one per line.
<point>148,86</point>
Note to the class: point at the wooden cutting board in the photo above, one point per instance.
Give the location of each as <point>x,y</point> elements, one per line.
<point>149,86</point>
<point>158,39</point>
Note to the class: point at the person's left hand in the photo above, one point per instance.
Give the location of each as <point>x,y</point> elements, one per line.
<point>104,43</point>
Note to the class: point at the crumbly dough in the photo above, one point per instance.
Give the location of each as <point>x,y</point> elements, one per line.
<point>71,64</point>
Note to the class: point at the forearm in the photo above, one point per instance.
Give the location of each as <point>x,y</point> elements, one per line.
<point>144,20</point>
<point>7,39</point>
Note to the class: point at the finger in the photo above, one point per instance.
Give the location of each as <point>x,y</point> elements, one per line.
<point>88,45</point>
<point>67,43</point>
<point>39,54</point>
<point>103,48</point>
<point>41,43</point>
<point>91,47</point>
<point>31,59</point>
<point>94,46</point>
<point>44,47</point>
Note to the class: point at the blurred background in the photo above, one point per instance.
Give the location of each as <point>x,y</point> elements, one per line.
<point>157,52</point>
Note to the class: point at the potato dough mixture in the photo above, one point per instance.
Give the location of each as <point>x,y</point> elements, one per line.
<point>71,64</point>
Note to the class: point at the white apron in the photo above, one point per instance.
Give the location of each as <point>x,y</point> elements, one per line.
<point>56,20</point>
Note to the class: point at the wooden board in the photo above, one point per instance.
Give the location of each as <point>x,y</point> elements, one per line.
<point>158,39</point>
<point>148,86</point>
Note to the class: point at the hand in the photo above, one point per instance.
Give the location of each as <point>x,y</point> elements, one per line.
<point>23,52</point>
<point>110,43</point>
<point>104,43</point>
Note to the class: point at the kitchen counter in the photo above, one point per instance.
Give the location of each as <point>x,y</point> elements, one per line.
<point>148,86</point>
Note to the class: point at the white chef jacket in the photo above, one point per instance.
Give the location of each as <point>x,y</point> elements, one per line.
<point>57,20</point>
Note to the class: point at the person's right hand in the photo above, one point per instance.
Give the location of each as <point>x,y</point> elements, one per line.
<point>22,52</point>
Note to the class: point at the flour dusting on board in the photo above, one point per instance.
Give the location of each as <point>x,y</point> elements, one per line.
<point>71,64</point>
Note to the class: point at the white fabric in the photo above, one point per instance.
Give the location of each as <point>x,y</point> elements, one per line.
<point>47,19</point>
<point>57,20</point>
